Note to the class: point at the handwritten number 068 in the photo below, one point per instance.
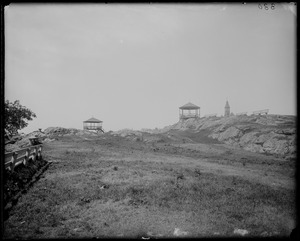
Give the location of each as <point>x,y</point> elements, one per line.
<point>266,7</point>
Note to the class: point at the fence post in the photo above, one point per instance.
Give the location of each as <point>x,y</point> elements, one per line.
<point>26,158</point>
<point>34,154</point>
<point>39,154</point>
<point>14,159</point>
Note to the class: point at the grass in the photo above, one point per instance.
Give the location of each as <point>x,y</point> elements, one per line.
<point>112,193</point>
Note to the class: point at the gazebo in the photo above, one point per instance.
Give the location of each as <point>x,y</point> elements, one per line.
<point>189,110</point>
<point>93,124</point>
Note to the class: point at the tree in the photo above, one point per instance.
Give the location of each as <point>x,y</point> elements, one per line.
<point>16,116</point>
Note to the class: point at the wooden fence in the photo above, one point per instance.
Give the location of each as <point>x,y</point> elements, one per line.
<point>13,159</point>
<point>259,112</point>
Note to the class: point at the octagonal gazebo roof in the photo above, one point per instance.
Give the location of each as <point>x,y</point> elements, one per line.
<point>93,120</point>
<point>189,106</point>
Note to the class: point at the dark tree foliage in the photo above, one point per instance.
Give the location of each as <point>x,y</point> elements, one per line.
<point>16,117</point>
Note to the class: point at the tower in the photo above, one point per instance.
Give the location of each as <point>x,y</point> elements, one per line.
<point>227,109</point>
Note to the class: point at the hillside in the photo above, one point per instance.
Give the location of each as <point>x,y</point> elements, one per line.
<point>184,180</point>
<point>265,134</point>
<point>270,134</point>
<point>174,184</point>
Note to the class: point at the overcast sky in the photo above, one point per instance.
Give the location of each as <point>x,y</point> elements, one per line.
<point>133,65</point>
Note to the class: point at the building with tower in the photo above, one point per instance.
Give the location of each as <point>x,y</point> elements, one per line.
<point>227,109</point>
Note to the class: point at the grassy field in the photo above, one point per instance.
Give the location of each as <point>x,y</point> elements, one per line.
<point>110,187</point>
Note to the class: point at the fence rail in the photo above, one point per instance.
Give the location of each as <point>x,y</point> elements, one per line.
<point>13,159</point>
<point>258,112</point>
<point>183,116</point>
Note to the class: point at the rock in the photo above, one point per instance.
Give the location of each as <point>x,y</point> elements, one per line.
<point>127,132</point>
<point>229,133</point>
<point>242,232</point>
<point>253,147</point>
<point>104,187</point>
<point>253,133</point>
<point>59,131</point>
<point>35,134</point>
<point>261,139</point>
<point>85,132</point>
<point>49,130</point>
<point>221,128</point>
<point>248,138</point>
<point>49,140</point>
<point>266,120</point>
<point>15,138</point>
<point>276,146</point>
<point>289,131</point>
<point>24,142</point>
<point>292,146</point>
<point>178,232</point>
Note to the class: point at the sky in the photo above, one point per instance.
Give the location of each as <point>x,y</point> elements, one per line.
<point>133,65</point>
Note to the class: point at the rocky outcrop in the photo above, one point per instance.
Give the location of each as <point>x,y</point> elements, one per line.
<point>126,133</point>
<point>280,142</point>
<point>146,135</point>
<point>60,131</point>
<point>271,134</point>
<point>48,135</point>
<point>231,133</point>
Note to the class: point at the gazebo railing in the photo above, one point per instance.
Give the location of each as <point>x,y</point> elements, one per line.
<point>92,127</point>
<point>183,116</point>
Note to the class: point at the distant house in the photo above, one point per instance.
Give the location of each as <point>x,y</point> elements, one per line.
<point>189,110</point>
<point>93,124</point>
